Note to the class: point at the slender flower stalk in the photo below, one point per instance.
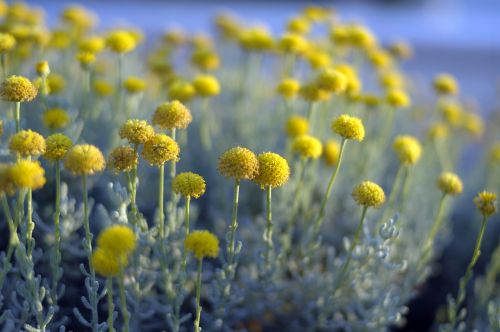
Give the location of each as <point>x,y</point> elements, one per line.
<point>198,296</point>
<point>17,116</point>
<point>111,304</point>
<point>234,222</point>
<point>123,301</point>
<point>161,211</point>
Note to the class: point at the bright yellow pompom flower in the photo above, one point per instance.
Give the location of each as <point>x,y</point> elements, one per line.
<point>7,42</point>
<point>202,244</point>
<point>57,146</point>
<point>92,44</point>
<point>205,59</point>
<point>172,115</point>
<point>349,127</point>
<point>288,88</point>
<point>297,126</point>
<point>332,80</point>
<point>307,146</point>
<point>18,89</point>
<point>238,163</point>
<point>331,152</point>
<point>136,131</point>
<point>445,84</point>
<point>103,88</point>
<point>121,42</point>
<point>160,149</point>
<point>84,159</point>
<point>369,194</point>
<point>206,85</point>
<point>397,98</point>
<point>408,149</point>
<point>123,159</point>
<point>273,170</point>
<point>118,240</point>
<point>27,174</point>
<point>106,263</point>
<point>181,90</point>
<point>189,184</point>
<point>55,118</point>
<point>450,184</point>
<point>134,84</point>
<point>486,203</point>
<point>27,143</point>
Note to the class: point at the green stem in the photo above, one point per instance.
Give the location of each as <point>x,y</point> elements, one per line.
<point>123,302</point>
<point>198,296</point>
<point>30,225</point>
<point>436,226</point>
<point>269,229</point>
<point>392,197</point>
<point>355,241</point>
<point>57,232</point>
<point>161,219</point>
<point>133,191</point>
<point>321,214</point>
<point>186,232</point>
<point>234,222</point>
<point>3,61</point>
<point>111,304</point>
<point>404,193</point>
<point>17,116</point>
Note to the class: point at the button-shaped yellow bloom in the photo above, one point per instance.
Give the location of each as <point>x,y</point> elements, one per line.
<point>349,127</point>
<point>202,244</point>
<point>369,194</point>
<point>307,146</point>
<point>445,84</point>
<point>288,88</point>
<point>123,159</point>
<point>206,85</point>
<point>450,184</point>
<point>27,174</point>
<point>55,118</point>
<point>84,159</point>
<point>297,126</point>
<point>118,240</point>
<point>18,89</point>
<point>172,115</point>
<point>486,203</point>
<point>273,170</point>
<point>136,131</point>
<point>189,184</point>
<point>27,143</point>
<point>160,149</point>
<point>121,42</point>
<point>238,163</point>
<point>57,146</point>
<point>106,263</point>
<point>408,149</point>
<point>331,152</point>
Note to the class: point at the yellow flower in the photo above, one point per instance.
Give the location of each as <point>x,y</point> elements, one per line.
<point>256,39</point>
<point>55,118</point>
<point>445,84</point>
<point>312,92</point>
<point>369,194</point>
<point>206,85</point>
<point>7,186</point>
<point>205,59</point>
<point>288,88</point>
<point>486,203</point>
<point>238,163</point>
<point>307,146</point>
<point>7,42</point>
<point>134,84</point>
<point>160,149</point>
<point>318,59</point>
<point>401,50</point>
<point>78,17</point>
<point>123,159</point>
<point>202,244</point>
<point>60,39</point>
<point>297,126</point>
<point>106,263</point>
<point>121,41</point>
<point>349,127</point>
<point>86,59</point>
<point>103,88</point>
<point>473,124</point>
<point>450,183</point>
<point>172,115</point>
<point>84,159</point>
<point>292,43</point>
<point>331,152</point>
<point>437,130</point>
<point>379,58</point>
<point>56,83</point>
<point>299,25</point>
<point>181,90</point>
<point>273,170</point>
<point>451,111</point>
<point>332,80</point>
<point>397,98</point>
<point>353,81</point>
<point>391,80</point>
<point>27,174</point>
<point>118,240</point>
<point>92,44</point>
<point>42,68</point>
<point>189,184</point>
<point>175,37</point>
<point>361,37</point>
<point>371,101</point>
<point>17,89</point>
<point>136,131</point>
<point>27,143</point>
<point>408,149</point>
<point>57,146</point>
<point>227,26</point>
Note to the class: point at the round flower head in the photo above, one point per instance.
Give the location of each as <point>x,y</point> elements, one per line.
<point>160,149</point>
<point>297,126</point>
<point>349,127</point>
<point>256,39</point>
<point>7,186</point>
<point>288,88</point>
<point>202,244</point>
<point>55,118</point>
<point>379,58</point>
<point>273,170</point>
<point>86,59</point>
<point>78,17</point>
<point>408,149</point>
<point>397,98</point>
<point>136,131</point>
<point>106,263</point>
<point>450,184</point>
<point>332,80</point>
<point>486,203</point>
<point>437,130</point>
<point>42,68</point>
<point>331,152</point>
<point>27,174</point>
<point>118,240</point>
<point>84,159</point>
<point>298,25</point>
<point>316,13</point>
<point>57,146</point>
<point>445,84</point>
<point>292,43</point>
<point>181,90</point>
<point>17,89</point>
<point>123,159</point>
<point>206,85</point>
<point>27,143</point>
<point>391,80</point>
<point>351,75</point>
<point>134,84</point>
<point>172,115</point>
<point>401,50</point>
<point>238,163</point>
<point>312,92</point>
<point>473,124</point>
<point>318,59</point>
<point>92,44</point>
<point>7,42</point>
<point>369,194</point>
<point>121,42</point>
<point>189,184</point>
<point>205,59</point>
<point>56,83</point>
<point>307,146</point>
<point>103,88</point>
